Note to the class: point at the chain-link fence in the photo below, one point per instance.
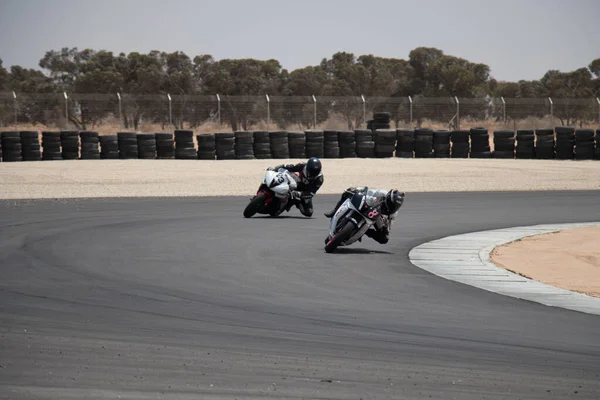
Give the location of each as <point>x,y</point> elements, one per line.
<point>151,112</point>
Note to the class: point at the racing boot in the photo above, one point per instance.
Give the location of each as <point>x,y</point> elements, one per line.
<point>332,212</point>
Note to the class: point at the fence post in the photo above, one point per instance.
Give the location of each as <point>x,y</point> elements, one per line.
<point>410,102</point>
<point>457,112</point>
<point>551,110</point>
<point>66,110</point>
<point>364,109</point>
<point>503,110</point>
<point>598,100</point>
<point>219,108</point>
<point>314,111</point>
<point>268,110</point>
<point>120,112</point>
<point>16,107</point>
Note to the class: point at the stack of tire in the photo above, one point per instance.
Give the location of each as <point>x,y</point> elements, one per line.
<point>146,146</point>
<point>11,147</point>
<point>480,143</point>
<point>565,142</point>
<point>225,146</point>
<point>315,143</point>
<point>89,145</point>
<point>280,146</point>
<point>381,120</point>
<point>206,146</point>
<point>331,144</point>
<point>504,144</point>
<point>584,144</point>
<point>165,146</point>
<point>461,148</point>
<point>405,143</point>
<point>441,143</point>
<point>544,144</point>
<point>128,146</point>
<point>184,145</point>
<point>597,152</point>
<point>385,142</point>
<point>30,146</point>
<point>525,149</point>
<point>244,145</point>
<point>109,147</point>
<point>365,145</point>
<point>69,143</point>
<point>262,145</point>
<point>297,144</point>
<point>423,143</point>
<point>347,143</point>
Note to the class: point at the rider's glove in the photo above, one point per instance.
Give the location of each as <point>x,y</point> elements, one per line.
<point>295,195</point>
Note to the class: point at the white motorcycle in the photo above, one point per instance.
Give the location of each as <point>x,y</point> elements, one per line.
<point>273,194</point>
<point>351,221</point>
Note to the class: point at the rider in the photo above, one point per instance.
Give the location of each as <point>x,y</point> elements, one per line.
<point>309,179</point>
<point>390,201</point>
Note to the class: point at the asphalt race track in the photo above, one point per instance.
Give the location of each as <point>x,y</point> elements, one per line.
<point>186,299</point>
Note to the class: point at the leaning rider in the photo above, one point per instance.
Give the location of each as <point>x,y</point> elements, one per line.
<point>390,201</point>
<point>309,179</point>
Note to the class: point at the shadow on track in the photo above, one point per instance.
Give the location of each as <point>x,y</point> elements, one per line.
<point>349,250</point>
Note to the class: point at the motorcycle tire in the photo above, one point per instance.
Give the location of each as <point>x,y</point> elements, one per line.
<point>339,237</point>
<point>252,207</point>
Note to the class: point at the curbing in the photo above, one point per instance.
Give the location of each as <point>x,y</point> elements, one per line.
<point>465,258</point>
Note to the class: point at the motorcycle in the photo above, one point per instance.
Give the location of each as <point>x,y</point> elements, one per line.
<point>351,221</point>
<point>276,187</point>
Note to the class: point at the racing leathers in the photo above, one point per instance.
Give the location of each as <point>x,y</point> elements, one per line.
<point>306,188</point>
<point>380,231</point>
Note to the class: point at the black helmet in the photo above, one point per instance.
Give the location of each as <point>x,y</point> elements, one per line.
<point>393,201</point>
<point>312,168</point>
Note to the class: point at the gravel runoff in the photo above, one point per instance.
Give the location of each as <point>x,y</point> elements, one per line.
<point>169,178</point>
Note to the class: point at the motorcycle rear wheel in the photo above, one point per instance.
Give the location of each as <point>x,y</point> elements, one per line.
<point>255,203</point>
<point>339,237</point>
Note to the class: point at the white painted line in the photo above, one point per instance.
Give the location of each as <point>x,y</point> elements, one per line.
<point>466,259</point>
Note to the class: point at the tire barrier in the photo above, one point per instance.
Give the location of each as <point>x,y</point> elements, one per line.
<point>147,146</point>
<point>385,142</point>
<point>89,145</point>
<point>280,147</point>
<point>262,145</point>
<point>225,146</point>
<point>165,146</point>
<point>365,146</point>
<point>128,146</point>
<point>331,144</point>
<point>347,142</point>
<point>480,143</point>
<point>69,142</point>
<point>441,144</point>
<point>184,145</point>
<point>423,143</point>
<point>30,146</point>
<point>244,145</point>
<point>544,144</point>
<point>109,147</point>
<point>11,147</point>
<point>565,143</point>
<point>585,145</point>
<point>206,146</point>
<point>525,144</point>
<point>561,143</point>
<point>381,120</point>
<point>405,143</point>
<point>315,143</point>
<point>504,144</point>
<point>461,147</point>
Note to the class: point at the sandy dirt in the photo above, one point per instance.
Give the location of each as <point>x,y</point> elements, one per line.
<point>165,178</point>
<point>569,259</point>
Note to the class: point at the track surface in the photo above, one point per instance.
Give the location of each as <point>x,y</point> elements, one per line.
<point>184,298</point>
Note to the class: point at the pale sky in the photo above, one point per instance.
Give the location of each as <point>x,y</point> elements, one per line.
<point>518,39</point>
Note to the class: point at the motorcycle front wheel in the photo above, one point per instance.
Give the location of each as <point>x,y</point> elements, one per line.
<point>339,237</point>
<point>255,203</point>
